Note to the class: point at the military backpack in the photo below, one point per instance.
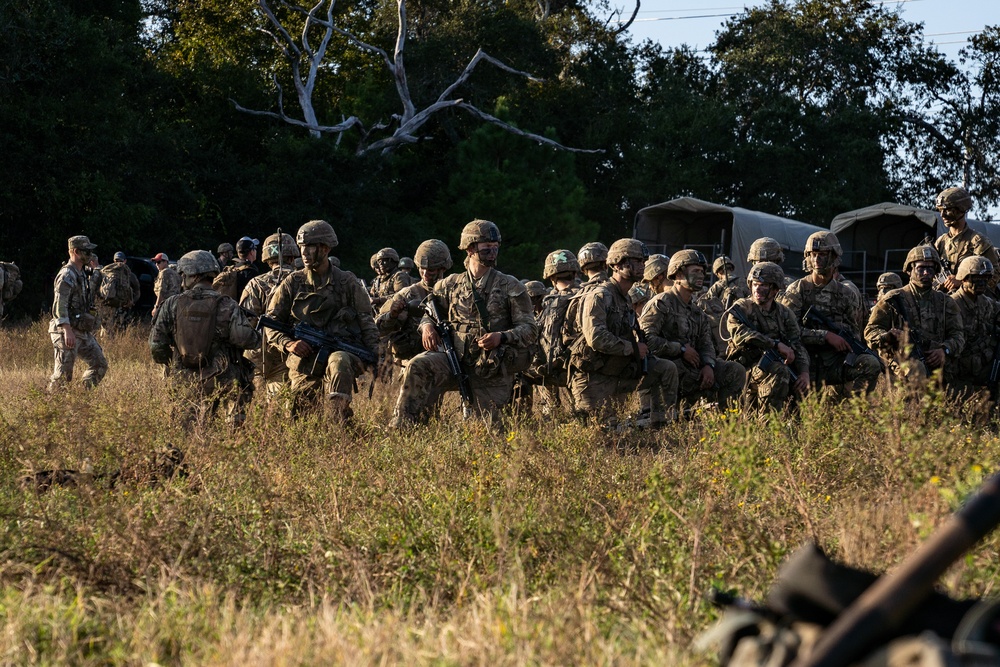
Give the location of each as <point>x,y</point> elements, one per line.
<point>10,281</point>
<point>194,328</point>
<point>115,290</point>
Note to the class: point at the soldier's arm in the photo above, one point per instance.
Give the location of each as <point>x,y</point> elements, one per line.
<point>63,291</point>
<point>385,322</point>
<point>241,332</point>
<point>524,327</point>
<point>363,307</point>
<point>954,330</point>
<point>744,336</point>
<point>279,307</point>
<point>653,323</point>
<point>595,327</point>
<point>704,340</point>
<point>880,323</point>
<point>161,340</point>
<point>791,333</point>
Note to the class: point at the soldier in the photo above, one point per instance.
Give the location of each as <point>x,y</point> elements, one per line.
<point>332,300</point>
<point>772,327</point>
<point>168,282</point>
<point>831,360</point>
<point>886,283</point>
<point>116,290</point>
<point>655,273</point>
<point>399,318</point>
<point>678,330</point>
<point>225,252</point>
<point>202,334</point>
<point>74,320</point>
<point>389,279</point>
<point>980,322</point>
<point>960,241</point>
<point>279,253</point>
<point>536,292</point>
<point>639,295</point>
<point>10,284</point>
<point>609,358</point>
<point>406,265</point>
<point>728,287</point>
<point>494,329</point>
<point>917,321</point>
<point>593,258</point>
<point>234,278</point>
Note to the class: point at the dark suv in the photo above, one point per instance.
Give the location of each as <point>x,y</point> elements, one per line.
<point>146,272</point>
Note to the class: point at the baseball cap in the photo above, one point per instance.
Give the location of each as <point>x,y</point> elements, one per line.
<point>119,256</point>
<point>161,257</point>
<point>81,243</point>
<point>246,243</point>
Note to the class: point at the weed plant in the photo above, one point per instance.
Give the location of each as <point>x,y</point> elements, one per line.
<point>299,542</point>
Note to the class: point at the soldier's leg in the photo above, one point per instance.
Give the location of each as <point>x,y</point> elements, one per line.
<point>771,389</point>
<point>304,388</point>
<point>863,376</point>
<point>731,378</point>
<point>88,349</point>
<point>423,379</point>
<point>658,391</point>
<point>65,358</point>
<point>592,395</point>
<point>490,399</point>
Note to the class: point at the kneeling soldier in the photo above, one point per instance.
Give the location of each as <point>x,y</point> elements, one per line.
<point>980,320</point>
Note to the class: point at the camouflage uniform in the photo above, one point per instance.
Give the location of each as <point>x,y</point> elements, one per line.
<point>168,284</point>
<point>491,374</point>
<point>842,306</point>
<point>727,292</point>
<point>967,243</point>
<point>403,332</point>
<point>73,304</point>
<point>935,317</point>
<point>383,287</point>
<point>113,318</point>
<point>770,387</point>
<point>256,295</point>
<point>670,324</point>
<point>981,328</point>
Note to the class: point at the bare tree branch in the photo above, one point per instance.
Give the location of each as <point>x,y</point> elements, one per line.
<point>521,133</point>
<point>635,12</point>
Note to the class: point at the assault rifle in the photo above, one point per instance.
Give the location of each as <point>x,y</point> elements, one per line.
<point>814,317</point>
<point>994,380</point>
<point>897,303</point>
<point>323,343</point>
<point>770,357</point>
<point>640,337</point>
<point>446,331</point>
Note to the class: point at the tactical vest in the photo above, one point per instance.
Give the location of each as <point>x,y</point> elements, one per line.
<point>194,328</point>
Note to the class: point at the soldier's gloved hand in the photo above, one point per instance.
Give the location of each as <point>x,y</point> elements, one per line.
<point>299,348</point>
<point>837,342</point>
<point>802,384</point>
<point>787,353</point>
<point>691,356</point>
<point>429,337</point>
<point>935,358</point>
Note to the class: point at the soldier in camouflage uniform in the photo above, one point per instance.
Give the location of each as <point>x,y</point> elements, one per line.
<point>676,329</point>
<point>399,318</point>
<point>536,292</point>
<point>960,241</point>
<point>831,361</point>
<point>773,327</point>
<point>333,301</point>
<point>593,260</point>
<point>886,283</point>
<point>609,357</point>
<point>74,320</point>
<point>494,330</point>
<point>201,334</point>
<point>655,273</point>
<point>980,322</point>
<point>279,253</point>
<point>114,316</point>
<point>389,278</point>
<point>917,320</point>
<point>406,265</point>
<point>168,282</point>
<point>764,249</point>
<point>639,295</point>
<point>225,252</point>
<point>728,287</point>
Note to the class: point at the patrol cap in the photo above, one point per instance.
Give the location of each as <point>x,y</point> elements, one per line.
<point>81,243</point>
<point>119,256</point>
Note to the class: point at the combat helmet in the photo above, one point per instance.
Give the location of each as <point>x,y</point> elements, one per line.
<point>656,265</point>
<point>954,198</point>
<point>479,231</point>
<point>766,272</point>
<point>627,249</point>
<point>766,249</point>
<point>640,293</point>
<point>198,262</point>
<point>594,252</point>
<point>818,242</point>
<point>684,258</point>
<point>535,288</point>
<point>889,280</point>
<point>976,265</point>
<point>285,247</point>
<point>406,263</point>
<point>722,261</point>
<point>433,254</point>
<point>560,261</point>
<point>921,253</point>
<point>318,232</point>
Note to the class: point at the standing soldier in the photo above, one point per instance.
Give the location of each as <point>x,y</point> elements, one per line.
<point>593,259</point>
<point>10,284</point>
<point>831,360</point>
<point>678,330</point>
<point>117,289</point>
<point>202,334</point>
<point>74,320</point>
<point>168,282</point>
<point>980,322</point>
<point>233,279</point>
<point>765,339</point>
<point>917,328</point>
<point>279,253</point>
<point>494,327</point>
<point>399,318</point>
<point>610,359</point>
<point>886,283</point>
<point>389,278</point>
<point>960,241</point>
<point>329,299</point>
<point>225,252</point>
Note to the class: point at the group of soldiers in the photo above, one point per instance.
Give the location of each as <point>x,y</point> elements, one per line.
<point>613,321</point>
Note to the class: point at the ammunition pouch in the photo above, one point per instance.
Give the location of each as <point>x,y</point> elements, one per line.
<point>86,322</point>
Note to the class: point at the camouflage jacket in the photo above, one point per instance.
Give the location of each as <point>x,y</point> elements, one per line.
<point>608,342</point>
<point>727,293</point>
<point>981,327</point>
<point>838,302</point>
<point>403,331</point>
<point>258,291</point>
<point>168,283</point>
<point>967,243</point>
<point>72,297</point>
<point>670,323</point>
<point>233,332</point>
<point>747,345</point>
<point>936,320</point>
<point>383,287</point>
<point>335,303</point>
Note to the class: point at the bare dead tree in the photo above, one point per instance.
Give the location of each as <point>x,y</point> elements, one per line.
<point>306,62</point>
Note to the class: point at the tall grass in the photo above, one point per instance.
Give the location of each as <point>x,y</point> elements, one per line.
<point>301,542</point>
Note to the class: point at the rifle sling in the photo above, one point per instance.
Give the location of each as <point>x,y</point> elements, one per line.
<point>484,315</point>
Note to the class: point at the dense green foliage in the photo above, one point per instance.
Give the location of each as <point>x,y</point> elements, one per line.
<point>119,122</point>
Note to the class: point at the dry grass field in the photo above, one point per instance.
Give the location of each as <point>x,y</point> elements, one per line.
<point>297,542</point>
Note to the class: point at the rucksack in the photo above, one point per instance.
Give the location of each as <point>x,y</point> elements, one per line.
<point>551,320</point>
<point>194,328</point>
<point>233,280</point>
<point>572,327</point>
<point>11,283</point>
<point>115,290</point>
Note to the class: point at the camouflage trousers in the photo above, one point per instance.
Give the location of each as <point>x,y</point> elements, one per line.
<point>336,382</point>
<point>428,375</point>
<point>199,397</point>
<point>730,378</point>
<point>113,320</point>
<point>769,389</point>
<point>601,396</point>
<point>86,348</point>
